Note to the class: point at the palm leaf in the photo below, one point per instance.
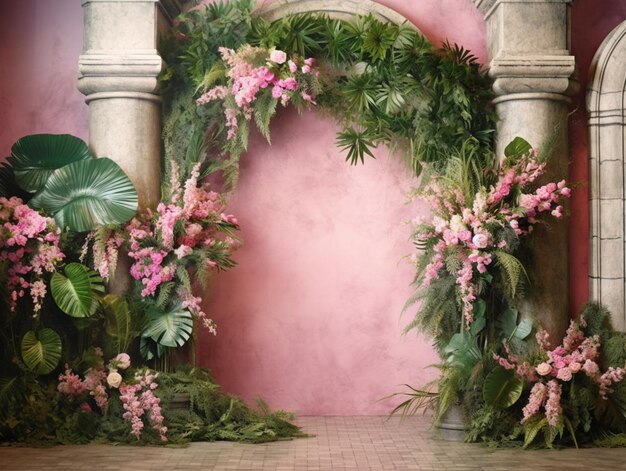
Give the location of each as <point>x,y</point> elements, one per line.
<point>41,351</point>
<point>88,193</point>
<point>34,158</point>
<point>75,293</point>
<point>169,328</point>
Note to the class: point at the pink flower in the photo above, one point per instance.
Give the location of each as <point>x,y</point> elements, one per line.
<point>277,92</point>
<point>543,369</point>
<point>590,368</point>
<point>292,66</point>
<point>278,57</point>
<point>564,374</point>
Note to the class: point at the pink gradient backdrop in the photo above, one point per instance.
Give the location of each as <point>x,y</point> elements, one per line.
<point>40,41</point>
<point>310,319</point>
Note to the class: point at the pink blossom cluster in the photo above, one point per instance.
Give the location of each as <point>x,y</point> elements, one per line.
<point>193,227</point>
<point>105,250</point>
<point>253,71</point>
<point>577,353</point>
<point>29,246</point>
<point>137,397</point>
<point>138,400</point>
<point>468,226</point>
<point>73,386</point>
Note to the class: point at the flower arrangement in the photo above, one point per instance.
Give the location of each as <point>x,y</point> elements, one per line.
<point>136,394</point>
<point>556,376</point>
<point>476,228</point>
<point>261,77</point>
<point>29,249</point>
<point>189,233</point>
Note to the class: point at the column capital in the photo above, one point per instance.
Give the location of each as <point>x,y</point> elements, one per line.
<point>119,58</point>
<point>534,74</point>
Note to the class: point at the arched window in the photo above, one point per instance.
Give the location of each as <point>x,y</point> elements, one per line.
<point>607,160</point>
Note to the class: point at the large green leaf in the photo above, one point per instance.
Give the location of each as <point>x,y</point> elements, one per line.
<point>169,328</point>
<point>88,193</point>
<point>41,351</point>
<point>462,351</point>
<point>75,293</point>
<point>502,387</point>
<point>517,147</point>
<point>119,322</point>
<point>35,157</point>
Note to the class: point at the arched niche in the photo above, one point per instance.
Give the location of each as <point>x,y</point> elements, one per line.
<point>607,161</point>
<point>344,9</point>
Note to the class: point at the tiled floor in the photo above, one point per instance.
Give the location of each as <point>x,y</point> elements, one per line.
<point>340,443</point>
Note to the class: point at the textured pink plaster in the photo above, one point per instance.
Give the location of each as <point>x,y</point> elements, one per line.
<point>310,319</point>
<point>40,41</point>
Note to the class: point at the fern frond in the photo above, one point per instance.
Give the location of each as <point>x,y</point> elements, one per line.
<point>512,272</point>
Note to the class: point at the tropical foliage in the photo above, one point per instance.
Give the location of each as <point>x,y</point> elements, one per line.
<point>384,83</point>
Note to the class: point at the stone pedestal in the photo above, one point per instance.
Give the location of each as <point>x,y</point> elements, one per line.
<point>532,70</point>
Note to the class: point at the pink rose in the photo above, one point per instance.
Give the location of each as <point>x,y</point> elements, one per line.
<point>122,360</point>
<point>277,56</point>
<point>306,69</point>
<point>590,367</point>
<point>564,374</point>
<point>292,66</point>
<point>543,369</point>
<point>277,92</point>
<point>574,367</point>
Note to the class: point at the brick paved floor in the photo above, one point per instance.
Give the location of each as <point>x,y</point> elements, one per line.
<point>340,443</point>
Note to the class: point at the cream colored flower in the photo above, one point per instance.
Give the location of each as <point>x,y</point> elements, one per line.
<point>114,379</point>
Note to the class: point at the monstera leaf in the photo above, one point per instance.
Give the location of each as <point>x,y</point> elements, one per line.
<point>171,328</point>
<point>34,158</point>
<point>502,387</point>
<point>75,291</point>
<point>41,351</point>
<point>86,194</point>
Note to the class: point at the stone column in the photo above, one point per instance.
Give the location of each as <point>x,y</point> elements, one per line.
<point>118,72</point>
<point>531,66</point>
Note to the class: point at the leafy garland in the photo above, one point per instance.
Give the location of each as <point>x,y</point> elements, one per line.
<point>383,83</point>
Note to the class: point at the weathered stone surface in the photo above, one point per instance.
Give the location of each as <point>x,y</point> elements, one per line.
<point>607,168</point>
<point>118,73</point>
<point>532,72</point>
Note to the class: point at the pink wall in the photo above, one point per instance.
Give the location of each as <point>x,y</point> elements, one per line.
<point>40,41</point>
<point>310,319</point>
<point>592,21</point>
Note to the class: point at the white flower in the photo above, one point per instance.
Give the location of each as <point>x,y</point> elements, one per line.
<point>183,251</point>
<point>480,204</point>
<point>543,369</point>
<point>277,56</point>
<point>114,379</point>
<point>480,241</point>
<point>456,223</point>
